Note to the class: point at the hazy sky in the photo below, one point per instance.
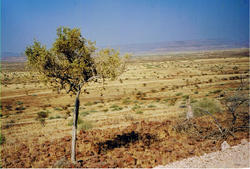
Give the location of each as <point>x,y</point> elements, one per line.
<point>122,21</point>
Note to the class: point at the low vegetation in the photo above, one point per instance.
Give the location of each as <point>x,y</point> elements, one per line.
<point>205,104</point>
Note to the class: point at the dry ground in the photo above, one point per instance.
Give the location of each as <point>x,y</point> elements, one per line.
<point>150,91</point>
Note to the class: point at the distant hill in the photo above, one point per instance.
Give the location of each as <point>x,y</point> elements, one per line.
<point>156,48</point>
<point>180,46</point>
<point>12,57</point>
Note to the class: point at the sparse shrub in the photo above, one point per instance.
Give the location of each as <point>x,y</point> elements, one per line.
<point>19,103</point>
<point>105,110</point>
<point>166,100</point>
<point>92,111</point>
<point>58,116</point>
<point>216,91</point>
<point>88,104</point>
<point>185,97</point>
<point>58,109</point>
<point>140,94</point>
<point>52,117</point>
<point>85,113</point>
<point>126,101</point>
<point>193,100</point>
<point>42,114</point>
<point>151,106</point>
<point>153,91</point>
<point>86,125</point>
<point>115,107</point>
<point>173,101</point>
<point>20,108</point>
<point>79,121</point>
<point>210,105</point>
<point>196,92</point>
<point>136,107</point>
<point>178,94</point>
<point>2,139</point>
<point>139,112</point>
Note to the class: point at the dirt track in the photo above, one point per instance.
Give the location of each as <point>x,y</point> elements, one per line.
<point>234,157</point>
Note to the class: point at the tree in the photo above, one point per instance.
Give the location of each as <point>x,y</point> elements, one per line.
<point>70,64</point>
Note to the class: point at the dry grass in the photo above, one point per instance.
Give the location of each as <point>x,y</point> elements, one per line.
<point>151,90</point>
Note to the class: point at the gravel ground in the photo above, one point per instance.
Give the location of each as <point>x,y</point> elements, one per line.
<point>234,157</point>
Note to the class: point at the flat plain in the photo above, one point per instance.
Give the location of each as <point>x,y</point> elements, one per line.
<point>133,121</point>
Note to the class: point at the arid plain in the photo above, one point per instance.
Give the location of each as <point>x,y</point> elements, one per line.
<point>133,121</point>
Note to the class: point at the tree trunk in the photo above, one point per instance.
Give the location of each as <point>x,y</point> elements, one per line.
<point>74,128</point>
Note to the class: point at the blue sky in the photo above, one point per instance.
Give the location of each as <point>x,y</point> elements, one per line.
<point>110,22</point>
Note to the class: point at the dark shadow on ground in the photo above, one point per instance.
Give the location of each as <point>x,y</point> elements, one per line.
<point>124,140</point>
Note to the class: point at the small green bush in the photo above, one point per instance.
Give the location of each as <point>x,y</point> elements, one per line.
<point>58,109</point>
<point>210,105</point>
<point>115,107</point>
<point>85,113</point>
<point>166,100</point>
<point>136,107</point>
<point>79,121</point>
<point>52,117</point>
<point>19,103</point>
<point>185,97</point>
<point>151,106</point>
<point>126,101</point>
<point>86,125</point>
<point>139,112</point>
<point>42,114</point>
<point>178,94</point>
<point>58,116</point>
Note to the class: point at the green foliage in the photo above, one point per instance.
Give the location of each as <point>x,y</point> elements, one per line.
<point>79,121</point>
<point>42,114</point>
<point>178,94</point>
<point>185,97</point>
<point>67,64</point>
<point>19,103</point>
<point>151,106</point>
<point>109,64</point>
<point>206,104</point>
<point>139,112</point>
<point>136,107</point>
<point>85,113</point>
<point>58,109</point>
<point>115,107</point>
<point>126,101</point>
<point>86,125</point>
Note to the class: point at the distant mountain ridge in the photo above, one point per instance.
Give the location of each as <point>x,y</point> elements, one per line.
<point>156,48</point>
<point>180,46</point>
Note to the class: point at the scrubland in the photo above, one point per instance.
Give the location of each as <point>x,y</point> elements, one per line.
<point>137,120</point>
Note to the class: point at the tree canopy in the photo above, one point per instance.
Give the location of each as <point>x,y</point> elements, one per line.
<point>72,61</point>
